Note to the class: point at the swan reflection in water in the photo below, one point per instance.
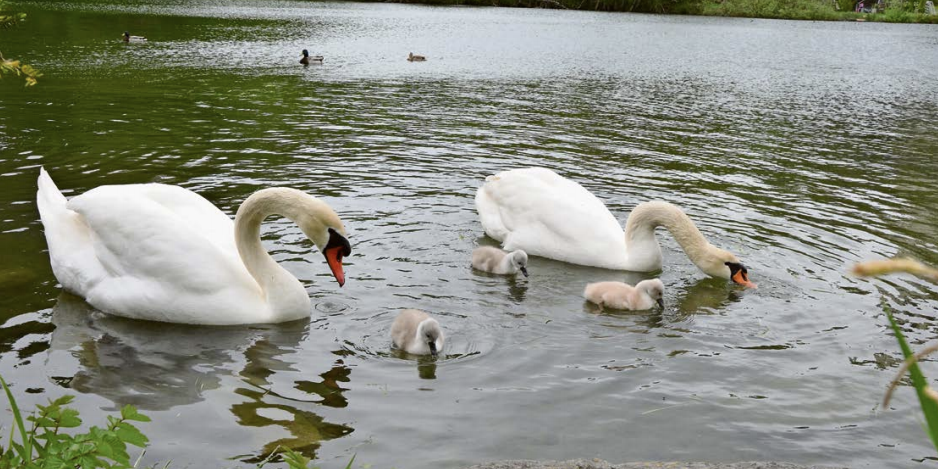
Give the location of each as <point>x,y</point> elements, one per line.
<point>158,366</point>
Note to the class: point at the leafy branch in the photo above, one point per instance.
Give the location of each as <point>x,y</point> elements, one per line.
<point>45,446</point>
<point>15,67</point>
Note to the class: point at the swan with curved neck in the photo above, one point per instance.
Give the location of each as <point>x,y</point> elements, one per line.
<point>164,253</point>
<point>544,214</point>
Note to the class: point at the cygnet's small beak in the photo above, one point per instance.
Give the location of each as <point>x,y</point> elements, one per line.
<point>524,270</point>
<point>433,350</point>
<point>661,303</point>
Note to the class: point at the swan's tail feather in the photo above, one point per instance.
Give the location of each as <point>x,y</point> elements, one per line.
<point>66,234</point>
<point>48,197</point>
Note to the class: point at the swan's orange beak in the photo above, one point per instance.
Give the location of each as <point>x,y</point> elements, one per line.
<point>742,278</point>
<point>334,259</point>
<point>337,248</point>
<point>739,274</point>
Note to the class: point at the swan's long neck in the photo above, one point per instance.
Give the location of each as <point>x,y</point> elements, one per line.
<point>281,288</point>
<point>641,245</point>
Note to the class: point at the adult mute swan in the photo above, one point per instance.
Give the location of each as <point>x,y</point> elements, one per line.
<point>164,253</point>
<point>547,215</point>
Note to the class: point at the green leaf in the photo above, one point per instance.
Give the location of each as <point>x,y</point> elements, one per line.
<point>929,407</point>
<point>295,460</point>
<point>64,400</point>
<point>129,434</point>
<point>43,422</point>
<point>69,419</point>
<point>105,449</point>
<point>88,462</point>
<point>349,465</point>
<point>129,412</point>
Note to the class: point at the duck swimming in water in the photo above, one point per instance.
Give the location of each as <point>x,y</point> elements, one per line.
<point>128,38</point>
<point>308,59</point>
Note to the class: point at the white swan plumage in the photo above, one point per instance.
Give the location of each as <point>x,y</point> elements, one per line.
<point>547,215</point>
<point>163,253</point>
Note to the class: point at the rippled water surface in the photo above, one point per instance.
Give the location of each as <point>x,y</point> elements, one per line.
<point>802,147</point>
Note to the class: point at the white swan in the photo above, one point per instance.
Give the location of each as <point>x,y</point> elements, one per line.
<point>496,261</point>
<point>546,215</point>
<point>618,295</point>
<point>164,253</point>
<point>415,332</point>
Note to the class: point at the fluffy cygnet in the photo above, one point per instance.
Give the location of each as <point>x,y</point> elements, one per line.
<point>618,295</point>
<point>496,261</point>
<point>415,332</point>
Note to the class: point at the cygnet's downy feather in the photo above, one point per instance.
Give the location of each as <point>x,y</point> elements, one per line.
<point>415,332</point>
<point>496,261</point>
<point>618,295</point>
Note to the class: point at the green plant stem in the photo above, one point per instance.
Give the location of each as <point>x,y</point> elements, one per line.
<point>27,449</point>
<point>929,406</point>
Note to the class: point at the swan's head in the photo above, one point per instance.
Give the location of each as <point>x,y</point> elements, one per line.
<point>305,53</point>
<point>653,288</point>
<point>519,259</point>
<point>321,225</point>
<point>723,264</point>
<point>429,332</point>
<point>739,274</point>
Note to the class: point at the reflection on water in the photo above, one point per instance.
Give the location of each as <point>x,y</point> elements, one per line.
<point>706,297</point>
<point>158,366</point>
<point>307,430</point>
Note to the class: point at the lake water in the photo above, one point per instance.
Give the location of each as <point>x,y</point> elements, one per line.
<point>803,147</point>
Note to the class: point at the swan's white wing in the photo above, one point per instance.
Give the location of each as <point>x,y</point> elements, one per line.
<point>167,253</point>
<point>546,215</point>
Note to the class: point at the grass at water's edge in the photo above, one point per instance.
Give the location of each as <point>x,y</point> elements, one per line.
<point>815,10</point>
<point>927,396</point>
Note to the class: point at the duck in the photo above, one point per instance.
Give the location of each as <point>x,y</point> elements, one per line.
<point>496,261</point>
<point>618,295</point>
<point>128,38</point>
<point>415,332</point>
<point>415,58</point>
<point>548,215</point>
<point>163,253</point>
<point>308,59</point>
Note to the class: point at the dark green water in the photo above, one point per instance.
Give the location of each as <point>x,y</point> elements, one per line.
<point>803,147</point>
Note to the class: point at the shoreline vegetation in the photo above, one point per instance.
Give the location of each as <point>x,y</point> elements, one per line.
<point>892,11</point>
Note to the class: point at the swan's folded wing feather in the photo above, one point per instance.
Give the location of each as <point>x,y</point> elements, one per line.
<point>550,216</point>
<point>162,245</point>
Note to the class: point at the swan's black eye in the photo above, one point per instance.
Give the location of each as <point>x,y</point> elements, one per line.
<point>337,240</point>
<point>736,267</point>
